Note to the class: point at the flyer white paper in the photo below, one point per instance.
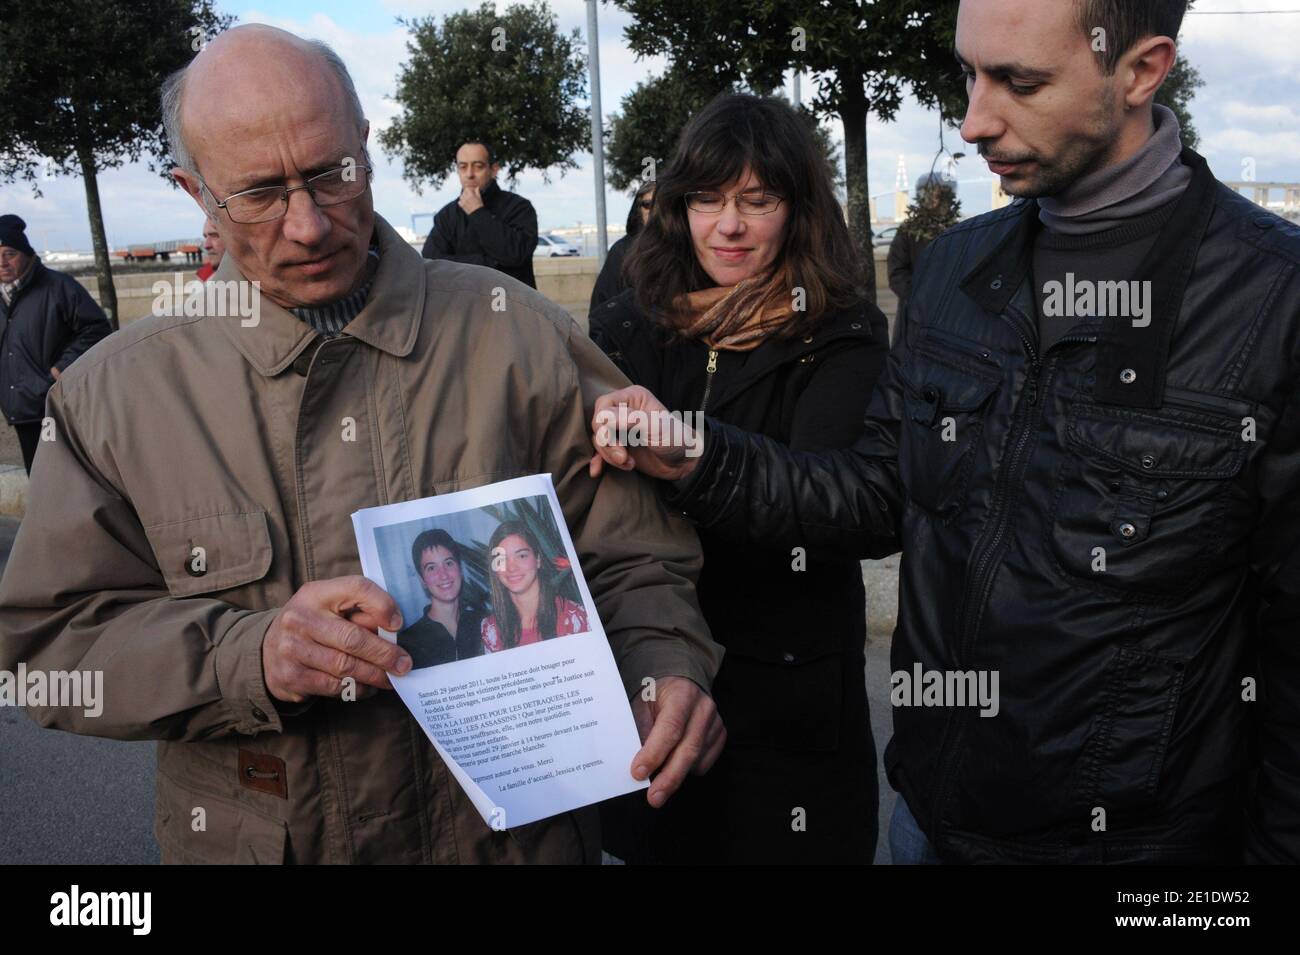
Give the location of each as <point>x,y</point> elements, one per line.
<point>532,721</point>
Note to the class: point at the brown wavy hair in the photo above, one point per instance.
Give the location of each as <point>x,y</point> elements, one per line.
<point>507,617</point>
<point>733,132</point>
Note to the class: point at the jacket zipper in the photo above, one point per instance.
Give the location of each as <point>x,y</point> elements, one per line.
<point>710,370</point>
<point>1027,416</point>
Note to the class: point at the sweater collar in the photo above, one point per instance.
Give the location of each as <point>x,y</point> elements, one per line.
<point>1105,199</point>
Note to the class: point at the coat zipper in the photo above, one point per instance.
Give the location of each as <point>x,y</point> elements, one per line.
<point>710,370</point>
<point>1027,418</point>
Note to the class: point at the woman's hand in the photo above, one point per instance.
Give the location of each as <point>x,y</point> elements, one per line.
<point>625,414</point>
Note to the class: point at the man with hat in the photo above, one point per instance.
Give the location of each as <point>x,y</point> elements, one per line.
<point>47,319</point>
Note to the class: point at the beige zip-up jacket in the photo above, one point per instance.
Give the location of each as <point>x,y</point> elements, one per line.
<point>180,432</point>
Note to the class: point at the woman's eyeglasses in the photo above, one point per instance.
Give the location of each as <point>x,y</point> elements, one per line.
<point>747,204</point>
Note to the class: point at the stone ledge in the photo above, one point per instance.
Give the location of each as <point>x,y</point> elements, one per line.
<point>13,490</point>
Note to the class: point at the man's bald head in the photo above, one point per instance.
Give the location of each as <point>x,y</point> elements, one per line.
<point>245,70</point>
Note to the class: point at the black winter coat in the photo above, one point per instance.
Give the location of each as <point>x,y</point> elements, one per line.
<point>1112,526</point>
<point>609,283</point>
<point>51,322</point>
<point>502,235</point>
<point>791,690</point>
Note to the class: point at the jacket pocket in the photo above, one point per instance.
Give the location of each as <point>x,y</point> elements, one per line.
<point>201,555</point>
<point>1123,754</point>
<point>195,827</point>
<point>945,397</point>
<point>1140,498</point>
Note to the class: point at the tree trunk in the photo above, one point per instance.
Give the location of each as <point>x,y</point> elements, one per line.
<point>103,267</point>
<point>853,113</point>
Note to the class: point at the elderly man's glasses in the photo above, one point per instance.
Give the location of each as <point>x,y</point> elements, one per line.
<point>747,204</point>
<point>332,188</point>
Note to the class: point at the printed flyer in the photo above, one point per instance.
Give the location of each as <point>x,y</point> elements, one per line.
<point>513,679</point>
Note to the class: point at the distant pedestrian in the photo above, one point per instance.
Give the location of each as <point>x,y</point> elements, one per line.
<point>47,319</point>
<point>486,225</point>
<point>214,247</point>
<point>934,210</point>
<point>610,281</point>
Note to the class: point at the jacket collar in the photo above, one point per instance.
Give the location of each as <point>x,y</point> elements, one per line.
<point>390,320</point>
<point>1130,361</point>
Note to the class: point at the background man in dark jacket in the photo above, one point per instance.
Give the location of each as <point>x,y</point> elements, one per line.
<point>1100,506</point>
<point>486,225</point>
<point>47,319</point>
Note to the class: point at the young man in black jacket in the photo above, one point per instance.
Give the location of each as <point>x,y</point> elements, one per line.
<point>1087,445</point>
<point>47,319</point>
<point>486,225</point>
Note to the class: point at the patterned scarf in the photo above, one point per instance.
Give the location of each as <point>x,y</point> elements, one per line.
<point>738,317</point>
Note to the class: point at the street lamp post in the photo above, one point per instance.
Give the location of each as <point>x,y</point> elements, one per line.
<point>597,129</point>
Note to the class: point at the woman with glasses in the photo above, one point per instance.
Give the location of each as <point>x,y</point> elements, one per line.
<point>611,281</point>
<point>746,304</point>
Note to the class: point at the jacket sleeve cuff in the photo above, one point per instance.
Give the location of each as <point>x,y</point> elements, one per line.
<point>685,494</point>
<point>241,681</point>
<point>660,659</point>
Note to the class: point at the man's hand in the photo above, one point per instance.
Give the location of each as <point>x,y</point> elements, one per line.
<point>681,732</point>
<point>56,373</point>
<point>470,200</point>
<point>327,631</point>
<point>665,461</point>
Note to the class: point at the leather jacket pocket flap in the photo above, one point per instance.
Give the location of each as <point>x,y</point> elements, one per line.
<point>1158,447</point>
<point>934,391</point>
<point>206,554</point>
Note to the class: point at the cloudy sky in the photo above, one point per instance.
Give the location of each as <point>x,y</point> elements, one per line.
<point>1248,110</point>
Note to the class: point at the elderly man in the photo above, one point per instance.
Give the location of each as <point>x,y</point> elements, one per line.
<point>47,319</point>
<point>190,534</point>
<point>213,250</point>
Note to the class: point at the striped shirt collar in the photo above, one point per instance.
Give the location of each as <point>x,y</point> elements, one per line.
<point>331,318</point>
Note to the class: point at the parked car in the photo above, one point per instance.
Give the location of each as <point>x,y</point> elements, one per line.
<point>549,246</point>
<point>884,238</point>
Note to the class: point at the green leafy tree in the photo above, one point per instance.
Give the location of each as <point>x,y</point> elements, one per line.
<point>79,86</point>
<point>867,55</point>
<point>512,80</point>
<point>1177,92</point>
<point>642,137</point>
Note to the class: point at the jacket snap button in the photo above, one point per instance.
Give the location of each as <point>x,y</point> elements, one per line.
<point>807,339</point>
<point>855,326</point>
<point>1128,376</point>
<point>1264,222</point>
<point>1148,461</point>
<point>257,712</point>
<point>1161,495</point>
<point>1127,531</point>
<point>627,324</point>
<point>788,657</point>
<point>996,283</point>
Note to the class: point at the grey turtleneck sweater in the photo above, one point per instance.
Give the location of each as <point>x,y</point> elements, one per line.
<point>1101,228</point>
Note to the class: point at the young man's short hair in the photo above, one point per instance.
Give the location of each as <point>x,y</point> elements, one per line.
<point>1128,21</point>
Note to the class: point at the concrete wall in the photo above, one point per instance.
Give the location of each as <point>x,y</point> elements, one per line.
<point>565,281</point>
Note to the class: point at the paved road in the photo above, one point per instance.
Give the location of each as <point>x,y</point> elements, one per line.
<point>76,799</point>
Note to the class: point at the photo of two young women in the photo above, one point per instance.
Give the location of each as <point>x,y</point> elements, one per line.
<point>480,581</point>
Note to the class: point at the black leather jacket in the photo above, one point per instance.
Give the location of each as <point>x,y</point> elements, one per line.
<point>1112,526</point>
